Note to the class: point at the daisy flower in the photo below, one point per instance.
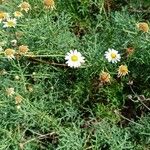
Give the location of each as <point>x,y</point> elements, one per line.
<point>143,26</point>
<point>18,14</point>
<point>13,42</point>
<point>112,55</point>
<point>105,77</point>
<point>49,4</point>
<point>3,16</point>
<point>25,6</point>
<point>18,99</point>
<point>123,70</point>
<point>10,91</point>
<point>10,23</point>
<point>23,49</point>
<point>9,53</point>
<point>74,59</point>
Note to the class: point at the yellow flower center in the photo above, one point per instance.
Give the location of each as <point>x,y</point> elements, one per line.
<point>74,58</point>
<point>10,23</point>
<point>113,55</point>
<point>124,69</point>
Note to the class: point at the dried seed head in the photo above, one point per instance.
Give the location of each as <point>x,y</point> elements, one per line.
<point>25,6</point>
<point>130,51</point>
<point>19,34</point>
<point>23,49</point>
<point>143,26</point>
<point>18,99</point>
<point>105,77</point>
<point>9,53</point>
<point>49,4</point>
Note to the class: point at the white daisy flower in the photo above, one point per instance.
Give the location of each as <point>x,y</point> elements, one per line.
<point>74,59</point>
<point>112,56</point>
<point>10,23</point>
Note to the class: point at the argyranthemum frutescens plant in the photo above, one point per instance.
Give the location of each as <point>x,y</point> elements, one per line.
<point>74,58</point>
<point>72,76</point>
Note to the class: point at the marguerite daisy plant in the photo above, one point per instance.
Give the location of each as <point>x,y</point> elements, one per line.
<point>112,56</point>
<point>74,59</point>
<point>10,23</point>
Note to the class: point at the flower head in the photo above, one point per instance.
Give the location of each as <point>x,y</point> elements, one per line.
<point>9,53</point>
<point>18,99</point>
<point>10,91</point>
<point>123,70</point>
<point>25,6</point>
<point>23,49</point>
<point>10,23</point>
<point>143,26</point>
<point>112,56</point>
<point>130,51</point>
<point>105,77</point>
<point>3,15</point>
<point>19,34</point>
<point>74,59</point>
<point>13,42</point>
<point>49,4</point>
<point>18,14</point>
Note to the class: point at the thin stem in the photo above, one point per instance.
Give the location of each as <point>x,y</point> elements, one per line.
<point>127,119</point>
<point>139,98</point>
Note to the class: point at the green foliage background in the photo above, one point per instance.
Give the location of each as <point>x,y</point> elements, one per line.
<point>67,110</point>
